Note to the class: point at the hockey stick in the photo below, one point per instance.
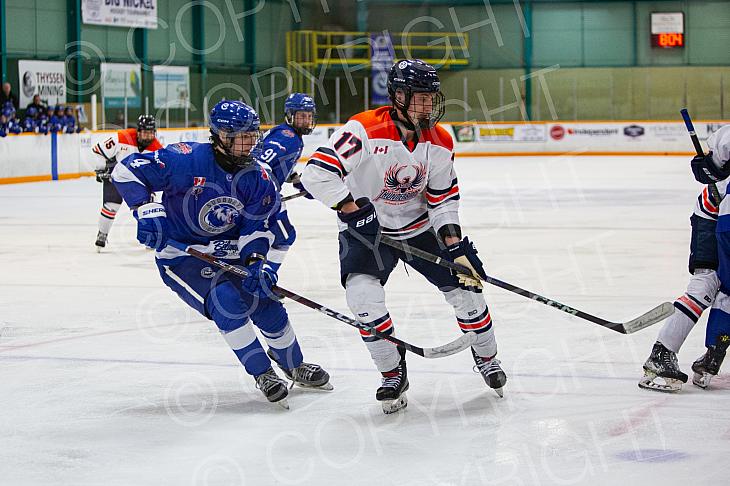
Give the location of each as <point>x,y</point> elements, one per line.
<point>457,345</point>
<point>698,148</point>
<point>294,196</point>
<point>655,315</point>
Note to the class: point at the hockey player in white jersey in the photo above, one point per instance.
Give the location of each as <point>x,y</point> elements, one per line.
<point>114,149</point>
<point>661,369</point>
<point>390,171</point>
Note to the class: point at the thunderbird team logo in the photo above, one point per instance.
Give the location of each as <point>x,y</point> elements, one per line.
<point>220,214</point>
<point>402,183</point>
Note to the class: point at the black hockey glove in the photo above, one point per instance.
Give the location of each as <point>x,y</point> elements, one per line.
<point>465,253</point>
<point>296,180</point>
<point>364,221</point>
<point>103,175</point>
<point>706,171</point>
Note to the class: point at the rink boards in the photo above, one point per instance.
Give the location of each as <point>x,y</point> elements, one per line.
<point>30,158</point>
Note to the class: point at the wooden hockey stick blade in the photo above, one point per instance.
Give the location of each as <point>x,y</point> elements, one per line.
<point>658,313</point>
<point>456,346</point>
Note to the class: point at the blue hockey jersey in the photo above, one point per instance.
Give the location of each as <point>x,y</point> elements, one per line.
<point>280,150</point>
<point>223,214</point>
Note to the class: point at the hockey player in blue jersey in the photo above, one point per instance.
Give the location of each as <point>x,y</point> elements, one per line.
<point>279,152</point>
<point>218,199</point>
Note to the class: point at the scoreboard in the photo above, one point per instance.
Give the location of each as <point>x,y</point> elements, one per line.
<point>667,29</point>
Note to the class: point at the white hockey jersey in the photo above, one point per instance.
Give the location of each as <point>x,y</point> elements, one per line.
<point>120,145</point>
<point>719,145</point>
<point>413,188</point>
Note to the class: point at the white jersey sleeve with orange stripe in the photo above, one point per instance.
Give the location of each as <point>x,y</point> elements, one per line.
<point>705,207</point>
<point>327,167</point>
<point>112,147</point>
<point>719,145</point>
<point>442,191</point>
<point>106,150</point>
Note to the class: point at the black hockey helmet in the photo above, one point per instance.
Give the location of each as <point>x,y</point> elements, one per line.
<point>146,131</point>
<point>415,76</point>
<point>146,122</point>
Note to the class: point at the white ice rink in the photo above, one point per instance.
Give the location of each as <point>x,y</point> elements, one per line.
<point>106,378</point>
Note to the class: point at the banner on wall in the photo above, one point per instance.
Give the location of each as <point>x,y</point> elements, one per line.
<point>381,60</point>
<point>172,86</point>
<point>44,78</point>
<point>511,133</point>
<point>121,82</point>
<point>120,13</point>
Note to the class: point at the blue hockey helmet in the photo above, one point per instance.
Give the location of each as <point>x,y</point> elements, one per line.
<point>228,119</point>
<point>296,102</point>
<point>411,76</point>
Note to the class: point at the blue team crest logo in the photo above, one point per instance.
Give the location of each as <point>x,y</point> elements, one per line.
<point>220,214</point>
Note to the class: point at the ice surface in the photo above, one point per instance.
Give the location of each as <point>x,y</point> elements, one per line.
<point>107,378</point>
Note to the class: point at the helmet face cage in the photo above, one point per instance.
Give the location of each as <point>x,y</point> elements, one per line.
<point>424,115</point>
<point>411,76</point>
<point>146,130</point>
<point>228,120</point>
<point>300,102</point>
<point>291,118</point>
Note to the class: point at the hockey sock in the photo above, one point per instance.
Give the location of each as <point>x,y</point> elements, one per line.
<point>107,215</point>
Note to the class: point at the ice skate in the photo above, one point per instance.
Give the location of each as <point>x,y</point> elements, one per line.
<point>100,241</point>
<point>661,371</point>
<point>489,368</point>
<point>273,387</point>
<point>708,365</point>
<point>306,375</point>
<point>392,391</point>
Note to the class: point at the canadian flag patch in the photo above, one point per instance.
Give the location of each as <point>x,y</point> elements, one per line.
<point>198,181</point>
<point>381,150</point>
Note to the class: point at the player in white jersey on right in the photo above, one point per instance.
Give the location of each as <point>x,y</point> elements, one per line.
<point>390,171</point>
<point>661,369</point>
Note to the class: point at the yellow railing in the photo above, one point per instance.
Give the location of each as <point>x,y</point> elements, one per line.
<point>308,50</point>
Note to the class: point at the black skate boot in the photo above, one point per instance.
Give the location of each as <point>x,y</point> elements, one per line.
<point>490,370</point>
<point>661,371</point>
<point>273,387</point>
<point>306,375</point>
<point>392,391</point>
<point>100,241</point>
<point>708,365</point>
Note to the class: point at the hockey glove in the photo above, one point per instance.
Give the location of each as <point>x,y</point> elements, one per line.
<point>261,278</point>
<point>465,253</point>
<point>296,181</point>
<point>103,175</point>
<point>364,221</point>
<point>151,225</point>
<point>706,170</point>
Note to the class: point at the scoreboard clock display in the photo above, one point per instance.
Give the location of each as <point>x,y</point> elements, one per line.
<point>667,29</point>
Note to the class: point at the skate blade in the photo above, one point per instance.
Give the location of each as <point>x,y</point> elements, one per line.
<point>326,387</point>
<point>702,380</point>
<point>283,403</point>
<point>670,385</point>
<point>98,248</point>
<point>392,406</point>
<point>499,392</point>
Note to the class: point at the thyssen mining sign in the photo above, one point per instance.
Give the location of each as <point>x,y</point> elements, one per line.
<point>44,78</point>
